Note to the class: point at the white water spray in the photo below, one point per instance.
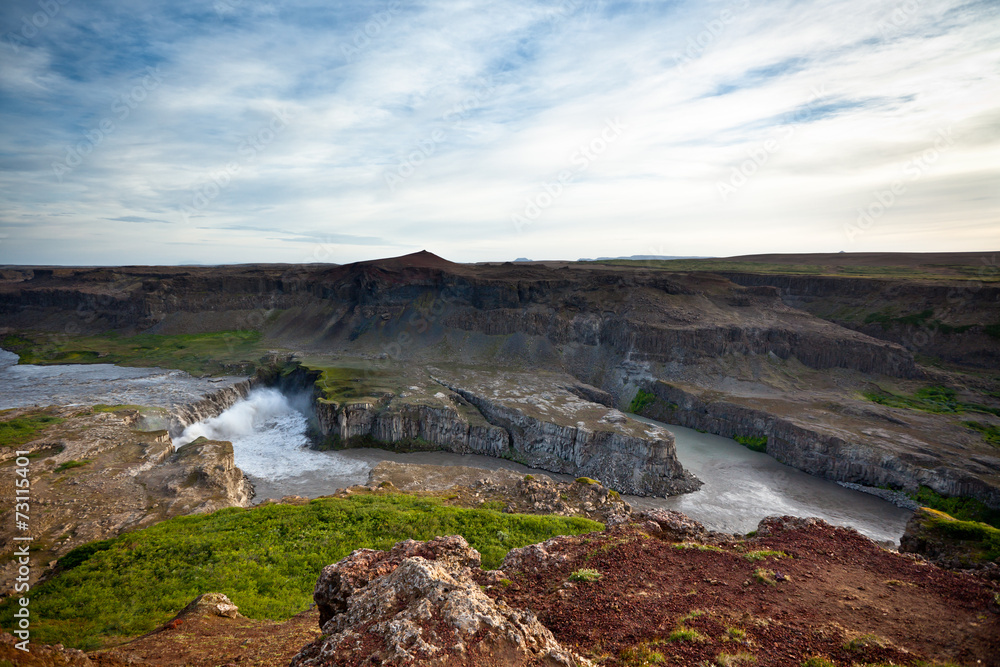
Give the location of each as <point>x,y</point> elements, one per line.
<point>269,438</point>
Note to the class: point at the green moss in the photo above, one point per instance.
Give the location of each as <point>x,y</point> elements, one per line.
<point>639,656</point>
<point>685,635</point>
<point>934,399</point>
<point>990,433</point>
<point>818,661</point>
<point>69,465</point>
<point>763,554</point>
<point>962,508</point>
<point>865,641</point>
<point>266,559</point>
<point>640,401</point>
<point>982,540</point>
<point>25,428</point>
<point>585,574</point>
<point>586,480</point>
<point>755,443</point>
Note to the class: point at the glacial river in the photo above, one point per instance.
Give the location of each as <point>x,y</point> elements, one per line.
<point>268,435</point>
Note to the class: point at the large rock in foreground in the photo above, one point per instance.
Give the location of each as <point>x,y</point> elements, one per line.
<point>397,607</point>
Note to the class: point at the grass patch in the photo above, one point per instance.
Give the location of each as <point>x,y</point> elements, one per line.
<point>818,661</point>
<point>764,553</point>
<point>641,401</point>
<point>217,353</point>
<point>699,547</point>
<point>683,634</point>
<point>762,576</point>
<point>586,574</point>
<point>866,641</point>
<point>961,508</point>
<point>20,430</point>
<point>934,399</point>
<point>641,655</point>
<point>990,433</point>
<point>982,539</point>
<point>733,659</point>
<point>755,443</point>
<point>735,635</point>
<point>886,319</point>
<point>69,465</point>
<point>586,480</point>
<point>265,559</point>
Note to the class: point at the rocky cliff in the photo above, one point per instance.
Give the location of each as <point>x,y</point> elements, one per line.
<point>831,448</point>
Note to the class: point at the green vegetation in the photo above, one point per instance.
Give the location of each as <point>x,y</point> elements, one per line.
<point>992,330</point>
<point>69,465</point>
<point>586,574</point>
<point>699,547</point>
<point>762,576</point>
<point>938,400</point>
<point>755,443</point>
<point>964,509</point>
<point>990,433</point>
<point>764,553</point>
<point>732,659</point>
<point>586,480</point>
<point>818,661</point>
<point>735,635</point>
<point>691,615</point>
<point>641,401</point>
<point>982,540</point>
<point>219,352</point>
<point>265,559</point>
<point>20,430</point>
<point>886,319</point>
<point>641,655</point>
<point>682,634</point>
<point>866,641</point>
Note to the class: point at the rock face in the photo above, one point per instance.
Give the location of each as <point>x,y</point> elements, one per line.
<point>952,544</point>
<point>200,476</point>
<point>418,603</point>
<point>839,455</point>
<point>210,604</point>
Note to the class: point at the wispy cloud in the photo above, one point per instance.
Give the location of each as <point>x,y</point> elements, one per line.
<point>428,124</point>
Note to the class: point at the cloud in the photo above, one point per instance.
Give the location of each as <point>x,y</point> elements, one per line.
<point>374,125</point>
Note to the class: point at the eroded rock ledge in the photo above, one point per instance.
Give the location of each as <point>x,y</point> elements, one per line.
<point>420,603</point>
<point>542,420</point>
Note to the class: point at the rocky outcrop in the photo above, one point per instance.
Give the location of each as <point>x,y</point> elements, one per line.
<point>519,493</point>
<point>643,464</point>
<point>200,476</point>
<point>209,604</point>
<point>833,456</point>
<point>952,544</point>
<point>419,603</point>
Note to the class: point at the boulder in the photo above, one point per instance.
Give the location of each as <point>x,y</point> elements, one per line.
<point>419,604</point>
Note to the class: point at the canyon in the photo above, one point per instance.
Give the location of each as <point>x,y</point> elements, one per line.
<point>539,361</point>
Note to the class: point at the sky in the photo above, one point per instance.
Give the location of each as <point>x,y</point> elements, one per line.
<point>229,131</point>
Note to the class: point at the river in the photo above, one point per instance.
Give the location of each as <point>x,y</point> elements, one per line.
<point>268,432</point>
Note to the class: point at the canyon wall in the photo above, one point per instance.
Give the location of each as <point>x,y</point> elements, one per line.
<point>822,454</point>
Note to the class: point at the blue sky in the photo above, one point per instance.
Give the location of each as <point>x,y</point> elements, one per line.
<point>241,131</point>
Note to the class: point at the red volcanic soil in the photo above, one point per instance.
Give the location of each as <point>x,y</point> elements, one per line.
<point>835,586</point>
<point>833,593</point>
